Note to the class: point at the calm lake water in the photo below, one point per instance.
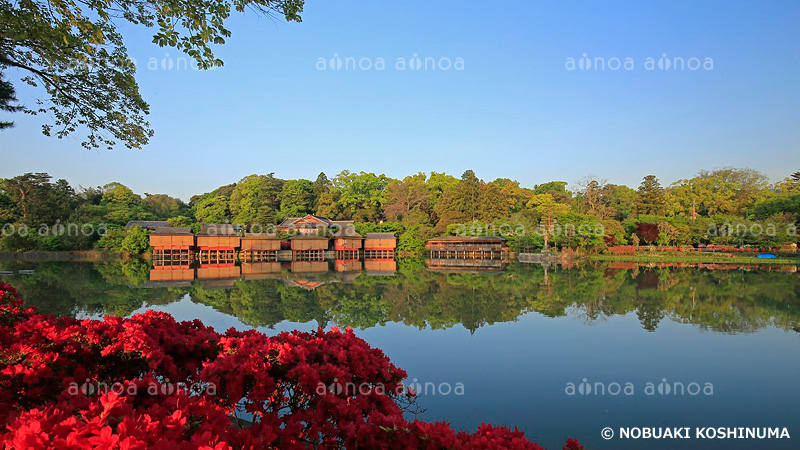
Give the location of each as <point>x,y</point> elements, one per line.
<point>513,338</point>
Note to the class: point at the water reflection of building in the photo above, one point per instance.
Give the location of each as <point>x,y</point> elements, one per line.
<point>218,276</point>
<point>171,276</point>
<point>380,267</point>
<point>347,265</point>
<point>259,270</point>
<point>311,224</point>
<point>309,266</point>
<point>465,265</point>
<point>210,271</point>
<point>305,283</point>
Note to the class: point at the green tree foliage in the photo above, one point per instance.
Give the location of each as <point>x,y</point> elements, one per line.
<point>74,51</point>
<point>782,200</point>
<point>213,207</point>
<point>437,183</point>
<point>667,234</point>
<point>515,196</point>
<point>136,240</point>
<point>180,221</point>
<point>297,198</point>
<point>162,206</point>
<point>7,207</point>
<point>327,205</point>
<point>358,196</point>
<point>622,199</point>
<point>112,240</point>
<point>650,196</point>
<point>412,240</point>
<point>120,204</point>
<point>460,202</point>
<point>547,206</point>
<point>255,200</point>
<point>591,197</point>
<point>495,202</point>
<point>322,185</point>
<point>409,200</point>
<point>575,230</point>
<point>33,199</point>
<point>558,189</point>
<point>736,199</point>
<point>7,101</point>
<point>213,210</point>
<point>467,195</point>
<point>779,205</point>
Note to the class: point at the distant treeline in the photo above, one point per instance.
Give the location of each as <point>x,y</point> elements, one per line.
<point>726,206</point>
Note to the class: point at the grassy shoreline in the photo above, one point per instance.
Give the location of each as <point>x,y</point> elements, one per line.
<point>711,259</point>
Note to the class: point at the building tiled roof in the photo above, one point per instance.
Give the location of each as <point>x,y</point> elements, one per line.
<point>308,236</point>
<point>260,236</point>
<point>348,232</point>
<point>381,236</point>
<point>172,231</point>
<point>149,223</point>
<point>218,229</point>
<point>291,220</point>
<point>288,221</point>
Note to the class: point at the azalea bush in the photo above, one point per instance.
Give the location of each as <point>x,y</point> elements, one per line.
<point>152,382</point>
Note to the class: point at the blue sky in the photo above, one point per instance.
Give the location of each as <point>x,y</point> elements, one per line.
<point>514,110</point>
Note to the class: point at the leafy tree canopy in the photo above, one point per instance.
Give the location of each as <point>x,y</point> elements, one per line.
<point>74,51</point>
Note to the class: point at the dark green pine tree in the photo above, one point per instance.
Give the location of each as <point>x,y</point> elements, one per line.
<point>650,196</point>
<point>7,99</point>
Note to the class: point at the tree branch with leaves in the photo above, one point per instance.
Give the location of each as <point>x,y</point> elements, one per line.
<point>73,51</point>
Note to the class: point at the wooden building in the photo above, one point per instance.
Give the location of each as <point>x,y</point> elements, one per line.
<point>259,248</point>
<point>172,246</point>
<point>467,247</point>
<point>218,244</point>
<point>347,243</point>
<point>309,247</point>
<point>311,224</point>
<point>379,245</point>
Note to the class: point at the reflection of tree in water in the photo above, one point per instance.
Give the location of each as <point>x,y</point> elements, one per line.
<point>732,301</point>
<point>70,288</point>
